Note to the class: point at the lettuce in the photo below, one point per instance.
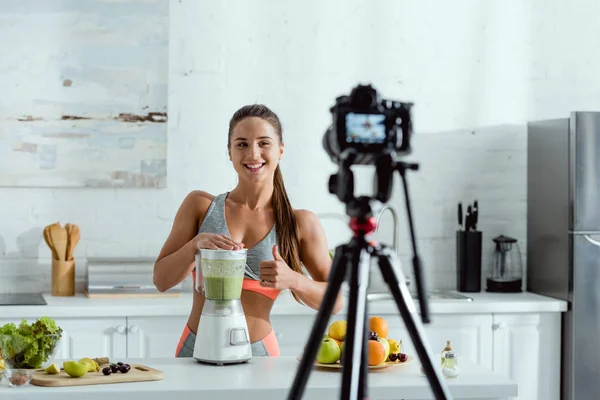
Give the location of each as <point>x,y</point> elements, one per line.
<point>28,345</point>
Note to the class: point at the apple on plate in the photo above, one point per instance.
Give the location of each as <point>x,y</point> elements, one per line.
<point>329,351</point>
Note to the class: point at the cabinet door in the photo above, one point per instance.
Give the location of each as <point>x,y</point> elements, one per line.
<point>154,337</point>
<point>292,332</point>
<point>518,340</point>
<point>470,334</point>
<point>92,337</point>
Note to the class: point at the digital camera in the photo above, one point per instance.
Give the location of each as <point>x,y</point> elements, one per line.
<point>366,125</point>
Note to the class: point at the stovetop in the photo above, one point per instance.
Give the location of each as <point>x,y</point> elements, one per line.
<point>22,299</point>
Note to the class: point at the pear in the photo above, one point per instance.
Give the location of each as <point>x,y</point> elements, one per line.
<point>76,369</point>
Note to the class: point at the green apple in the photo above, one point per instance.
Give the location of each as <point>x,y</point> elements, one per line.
<point>386,345</point>
<point>76,369</point>
<point>329,352</point>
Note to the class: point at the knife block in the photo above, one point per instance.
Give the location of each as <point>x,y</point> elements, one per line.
<point>63,277</point>
<point>468,261</point>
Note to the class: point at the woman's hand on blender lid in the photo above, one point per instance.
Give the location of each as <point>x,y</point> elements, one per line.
<point>213,241</point>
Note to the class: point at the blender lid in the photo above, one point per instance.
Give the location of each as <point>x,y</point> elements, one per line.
<point>504,239</point>
<point>221,254</point>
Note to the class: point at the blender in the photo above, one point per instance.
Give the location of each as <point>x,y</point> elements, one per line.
<point>222,336</point>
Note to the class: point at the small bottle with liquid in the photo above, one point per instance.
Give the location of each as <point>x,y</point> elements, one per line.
<point>450,368</point>
<point>445,350</point>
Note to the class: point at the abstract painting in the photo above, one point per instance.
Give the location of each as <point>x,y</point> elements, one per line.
<point>84,93</point>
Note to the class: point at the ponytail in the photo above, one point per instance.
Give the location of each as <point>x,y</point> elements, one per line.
<point>287,227</point>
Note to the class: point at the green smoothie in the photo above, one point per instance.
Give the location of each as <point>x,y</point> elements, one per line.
<point>223,279</point>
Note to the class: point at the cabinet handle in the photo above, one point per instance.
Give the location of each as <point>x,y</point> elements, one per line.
<point>134,329</point>
<point>120,329</point>
<point>500,325</point>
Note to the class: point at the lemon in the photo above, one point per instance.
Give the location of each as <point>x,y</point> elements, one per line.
<point>395,346</point>
<point>91,364</point>
<point>337,330</point>
<point>76,369</point>
<point>53,369</point>
<point>386,346</point>
<point>2,364</point>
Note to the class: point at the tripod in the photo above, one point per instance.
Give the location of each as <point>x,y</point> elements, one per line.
<point>352,262</point>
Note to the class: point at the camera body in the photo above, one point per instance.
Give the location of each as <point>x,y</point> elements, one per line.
<point>368,126</point>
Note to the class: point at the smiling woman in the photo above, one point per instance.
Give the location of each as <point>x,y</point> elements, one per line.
<point>257,215</point>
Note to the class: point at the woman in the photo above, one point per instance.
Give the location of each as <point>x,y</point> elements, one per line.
<point>256,215</point>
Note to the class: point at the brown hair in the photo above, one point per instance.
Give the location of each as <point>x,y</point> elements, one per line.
<point>287,228</point>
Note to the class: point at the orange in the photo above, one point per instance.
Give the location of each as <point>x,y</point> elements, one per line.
<point>337,330</point>
<point>376,352</point>
<point>379,326</point>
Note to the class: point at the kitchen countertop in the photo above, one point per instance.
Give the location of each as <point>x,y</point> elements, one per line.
<point>271,378</point>
<point>80,305</point>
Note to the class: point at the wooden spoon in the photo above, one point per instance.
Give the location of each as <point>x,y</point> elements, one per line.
<point>59,238</point>
<point>74,237</point>
<point>69,252</point>
<point>48,240</point>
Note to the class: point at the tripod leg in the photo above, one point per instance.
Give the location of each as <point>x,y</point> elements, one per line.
<point>336,277</point>
<point>354,385</point>
<point>419,280</point>
<point>401,295</point>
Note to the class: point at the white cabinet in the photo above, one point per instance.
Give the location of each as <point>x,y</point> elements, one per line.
<point>153,337</point>
<point>527,349</point>
<point>93,337</point>
<point>471,335</point>
<point>292,332</point>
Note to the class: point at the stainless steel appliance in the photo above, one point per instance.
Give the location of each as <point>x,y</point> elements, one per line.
<point>22,299</point>
<point>563,238</point>
<point>123,277</point>
<point>506,272</point>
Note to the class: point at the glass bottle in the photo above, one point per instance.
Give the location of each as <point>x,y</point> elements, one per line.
<point>445,350</point>
<point>450,368</point>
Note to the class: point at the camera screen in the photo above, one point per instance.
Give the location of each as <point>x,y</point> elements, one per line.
<point>365,128</point>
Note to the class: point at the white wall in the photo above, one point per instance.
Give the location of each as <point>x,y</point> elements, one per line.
<point>476,71</point>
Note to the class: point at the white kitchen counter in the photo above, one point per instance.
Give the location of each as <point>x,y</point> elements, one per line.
<point>270,378</point>
<point>81,306</point>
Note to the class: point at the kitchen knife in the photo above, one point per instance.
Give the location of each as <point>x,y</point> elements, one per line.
<point>469,219</point>
<point>475,215</point>
<point>460,216</point>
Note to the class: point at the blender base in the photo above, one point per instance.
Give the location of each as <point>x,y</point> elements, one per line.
<point>222,340</point>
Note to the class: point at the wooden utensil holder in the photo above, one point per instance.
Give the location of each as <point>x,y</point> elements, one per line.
<point>63,278</point>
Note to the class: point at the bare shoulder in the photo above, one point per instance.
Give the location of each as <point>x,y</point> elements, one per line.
<point>308,222</point>
<point>198,200</point>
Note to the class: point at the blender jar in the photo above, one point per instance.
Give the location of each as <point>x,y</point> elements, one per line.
<point>220,273</point>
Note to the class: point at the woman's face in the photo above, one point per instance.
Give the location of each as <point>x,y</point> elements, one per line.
<point>255,149</point>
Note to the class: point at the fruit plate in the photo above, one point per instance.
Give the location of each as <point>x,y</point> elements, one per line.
<point>338,365</point>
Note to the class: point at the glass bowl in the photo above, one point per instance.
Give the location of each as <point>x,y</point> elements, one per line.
<point>18,377</point>
<point>29,353</point>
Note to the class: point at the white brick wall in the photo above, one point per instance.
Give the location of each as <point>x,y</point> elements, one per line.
<point>475,70</point>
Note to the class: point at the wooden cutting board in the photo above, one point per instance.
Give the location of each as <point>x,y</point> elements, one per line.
<point>137,373</point>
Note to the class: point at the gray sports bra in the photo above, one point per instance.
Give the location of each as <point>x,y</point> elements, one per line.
<point>214,222</point>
